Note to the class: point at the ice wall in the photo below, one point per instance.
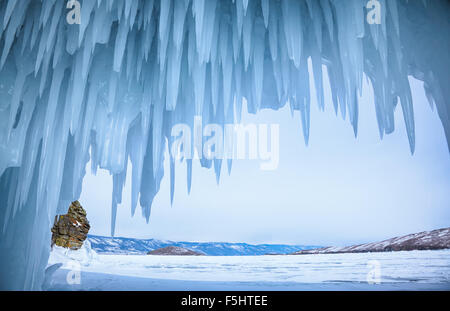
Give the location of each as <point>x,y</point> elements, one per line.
<point>116,83</point>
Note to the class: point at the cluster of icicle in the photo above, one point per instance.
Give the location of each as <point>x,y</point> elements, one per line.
<point>111,88</point>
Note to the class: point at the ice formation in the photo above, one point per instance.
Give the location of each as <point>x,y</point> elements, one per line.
<point>110,89</point>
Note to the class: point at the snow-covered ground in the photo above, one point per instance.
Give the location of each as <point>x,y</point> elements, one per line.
<point>414,270</point>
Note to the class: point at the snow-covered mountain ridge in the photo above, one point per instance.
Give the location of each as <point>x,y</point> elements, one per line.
<point>109,245</point>
<point>427,240</point>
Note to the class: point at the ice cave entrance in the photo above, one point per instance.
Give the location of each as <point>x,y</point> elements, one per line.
<point>209,205</point>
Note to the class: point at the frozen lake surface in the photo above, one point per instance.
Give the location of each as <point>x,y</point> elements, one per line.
<point>413,270</point>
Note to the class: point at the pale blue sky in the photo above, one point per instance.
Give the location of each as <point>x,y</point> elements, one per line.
<point>338,190</point>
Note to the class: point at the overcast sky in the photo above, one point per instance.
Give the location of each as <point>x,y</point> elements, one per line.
<point>337,191</point>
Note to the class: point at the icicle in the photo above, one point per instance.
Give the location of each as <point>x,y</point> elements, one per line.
<point>265,9</point>
<point>9,10</point>
<point>172,180</point>
<point>189,174</point>
<point>258,60</point>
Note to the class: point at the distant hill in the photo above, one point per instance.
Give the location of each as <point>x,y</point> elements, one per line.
<point>109,245</point>
<point>427,240</point>
<point>175,251</point>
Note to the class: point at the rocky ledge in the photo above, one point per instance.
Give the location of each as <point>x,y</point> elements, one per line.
<point>174,251</point>
<point>70,230</point>
<point>427,240</point>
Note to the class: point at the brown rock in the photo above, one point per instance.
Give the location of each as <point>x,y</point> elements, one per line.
<point>70,230</point>
<point>174,251</point>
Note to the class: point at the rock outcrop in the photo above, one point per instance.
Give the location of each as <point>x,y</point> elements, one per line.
<point>427,240</point>
<point>70,230</point>
<point>174,251</point>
